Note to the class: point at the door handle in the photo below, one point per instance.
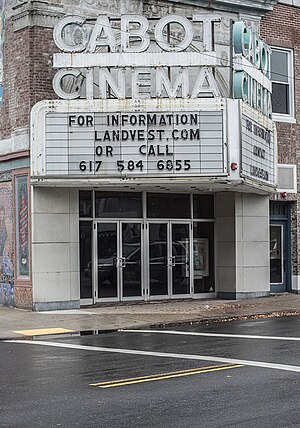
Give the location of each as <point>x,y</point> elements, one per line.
<point>117,262</point>
<point>171,261</point>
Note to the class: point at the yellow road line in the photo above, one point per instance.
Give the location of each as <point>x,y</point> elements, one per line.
<point>43,331</point>
<point>159,374</point>
<point>163,376</point>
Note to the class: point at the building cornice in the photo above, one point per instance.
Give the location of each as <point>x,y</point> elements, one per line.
<point>27,13</point>
<point>35,13</point>
<point>255,7</point>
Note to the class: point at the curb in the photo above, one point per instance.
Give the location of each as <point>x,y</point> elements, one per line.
<point>220,319</point>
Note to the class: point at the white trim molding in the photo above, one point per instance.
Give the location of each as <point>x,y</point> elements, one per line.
<point>289,117</point>
<point>296,283</point>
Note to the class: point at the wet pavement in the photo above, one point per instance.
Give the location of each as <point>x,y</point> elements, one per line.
<point>19,323</point>
<point>232,374</point>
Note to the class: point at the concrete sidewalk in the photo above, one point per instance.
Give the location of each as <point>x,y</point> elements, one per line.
<point>19,323</point>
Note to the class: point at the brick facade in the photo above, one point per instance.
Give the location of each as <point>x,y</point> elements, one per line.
<point>280,28</point>
<point>28,74</point>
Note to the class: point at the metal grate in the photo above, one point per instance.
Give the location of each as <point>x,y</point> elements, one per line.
<point>287,178</point>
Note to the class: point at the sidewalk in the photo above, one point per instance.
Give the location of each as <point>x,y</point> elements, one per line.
<point>13,322</point>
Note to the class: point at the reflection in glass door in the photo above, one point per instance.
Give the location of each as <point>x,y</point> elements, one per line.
<point>180,258</point>
<point>158,259</point>
<point>169,259</point>
<point>278,262</point>
<point>130,263</point>
<point>107,260</point>
<point>119,263</point>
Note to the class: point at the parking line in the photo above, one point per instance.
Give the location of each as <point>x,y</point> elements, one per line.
<point>43,331</point>
<point>164,376</point>
<point>193,333</point>
<point>250,363</point>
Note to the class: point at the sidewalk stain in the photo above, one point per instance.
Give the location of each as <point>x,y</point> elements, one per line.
<point>43,331</point>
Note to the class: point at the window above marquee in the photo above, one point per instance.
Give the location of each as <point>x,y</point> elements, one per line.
<point>282,77</point>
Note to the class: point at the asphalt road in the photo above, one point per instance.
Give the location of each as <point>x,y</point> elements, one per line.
<point>187,376</point>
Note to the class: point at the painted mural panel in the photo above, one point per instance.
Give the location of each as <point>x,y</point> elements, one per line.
<point>2,29</point>
<point>22,229</point>
<point>6,245</point>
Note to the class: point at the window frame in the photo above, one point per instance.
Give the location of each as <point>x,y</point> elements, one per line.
<point>290,117</point>
<point>22,280</point>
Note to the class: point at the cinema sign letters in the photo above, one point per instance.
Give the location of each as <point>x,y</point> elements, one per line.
<point>132,57</point>
<point>119,55</point>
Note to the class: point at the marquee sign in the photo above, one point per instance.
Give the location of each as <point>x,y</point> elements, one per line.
<point>175,57</point>
<point>252,64</point>
<point>257,148</point>
<point>131,57</point>
<point>151,98</point>
<point>128,144</point>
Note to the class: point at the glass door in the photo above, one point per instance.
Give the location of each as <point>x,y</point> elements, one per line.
<point>119,261</point>
<point>278,257</point>
<point>131,260</point>
<point>180,258</point>
<point>158,259</point>
<point>169,259</point>
<point>107,260</point>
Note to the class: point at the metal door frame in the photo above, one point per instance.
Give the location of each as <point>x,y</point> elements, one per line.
<point>189,223</point>
<point>147,273</point>
<point>169,224</point>
<point>120,243</point>
<point>283,286</point>
<point>119,267</point>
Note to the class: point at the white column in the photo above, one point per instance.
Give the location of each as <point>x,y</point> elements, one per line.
<point>55,248</point>
<point>242,245</point>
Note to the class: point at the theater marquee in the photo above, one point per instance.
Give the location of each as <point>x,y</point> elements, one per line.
<point>258,151</point>
<point>133,144</point>
<point>138,103</point>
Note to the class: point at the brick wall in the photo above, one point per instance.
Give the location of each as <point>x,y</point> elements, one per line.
<point>28,74</point>
<point>281,28</point>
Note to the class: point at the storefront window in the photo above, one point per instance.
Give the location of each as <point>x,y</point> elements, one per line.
<point>203,257</point>
<point>118,204</point>
<point>164,205</point>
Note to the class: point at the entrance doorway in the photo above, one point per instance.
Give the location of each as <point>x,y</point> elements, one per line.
<point>119,260</point>
<point>169,259</point>
<point>143,246</point>
<point>278,257</point>
<point>280,247</point>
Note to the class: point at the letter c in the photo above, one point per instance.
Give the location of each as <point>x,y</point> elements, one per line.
<point>58,31</point>
<point>57,81</point>
<point>142,151</point>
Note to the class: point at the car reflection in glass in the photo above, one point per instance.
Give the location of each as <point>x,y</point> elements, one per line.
<point>107,266</point>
